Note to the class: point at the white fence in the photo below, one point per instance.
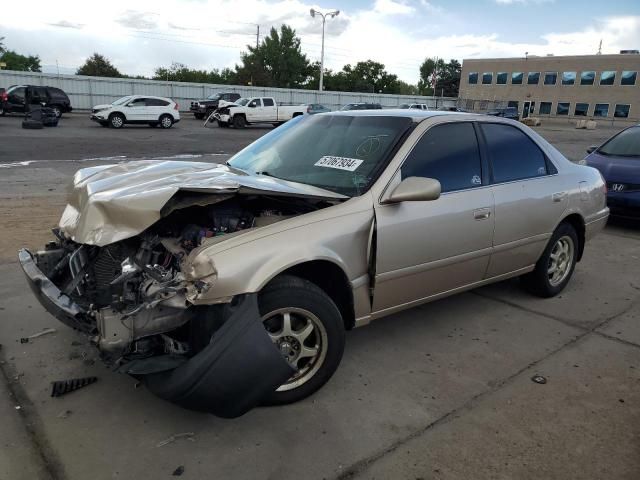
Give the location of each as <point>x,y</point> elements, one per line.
<point>85,92</point>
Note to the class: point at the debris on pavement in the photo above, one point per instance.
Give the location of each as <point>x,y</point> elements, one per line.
<point>46,331</point>
<point>61,387</point>
<point>539,379</point>
<point>188,435</point>
<point>178,471</point>
<point>64,414</point>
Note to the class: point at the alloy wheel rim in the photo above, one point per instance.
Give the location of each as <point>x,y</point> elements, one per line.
<point>116,122</point>
<point>301,338</point>
<point>560,261</point>
<point>166,122</point>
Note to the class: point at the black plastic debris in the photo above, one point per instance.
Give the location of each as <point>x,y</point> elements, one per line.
<point>62,387</point>
<point>539,379</point>
<point>178,471</point>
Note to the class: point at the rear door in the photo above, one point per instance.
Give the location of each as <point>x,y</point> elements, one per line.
<point>431,247</point>
<point>529,196</point>
<point>155,108</point>
<point>269,110</point>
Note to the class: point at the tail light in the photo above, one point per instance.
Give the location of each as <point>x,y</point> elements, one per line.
<point>175,106</point>
<point>309,109</point>
<point>4,96</point>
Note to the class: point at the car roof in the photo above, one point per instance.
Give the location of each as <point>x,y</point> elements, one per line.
<point>148,96</point>
<point>415,115</point>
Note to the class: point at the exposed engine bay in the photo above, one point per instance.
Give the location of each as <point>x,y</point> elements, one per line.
<point>134,291</point>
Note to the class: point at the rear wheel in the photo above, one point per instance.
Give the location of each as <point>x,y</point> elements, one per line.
<point>239,121</point>
<point>307,328</point>
<point>116,120</point>
<point>166,121</point>
<point>57,111</point>
<point>555,267</point>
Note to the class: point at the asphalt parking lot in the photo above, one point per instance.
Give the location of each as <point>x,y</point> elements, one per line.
<point>441,391</point>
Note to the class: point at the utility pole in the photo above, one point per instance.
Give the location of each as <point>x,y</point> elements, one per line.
<point>324,16</point>
<point>257,36</point>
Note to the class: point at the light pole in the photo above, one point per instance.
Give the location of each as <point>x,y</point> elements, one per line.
<point>324,16</point>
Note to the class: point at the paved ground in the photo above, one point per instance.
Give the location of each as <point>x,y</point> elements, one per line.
<point>441,391</point>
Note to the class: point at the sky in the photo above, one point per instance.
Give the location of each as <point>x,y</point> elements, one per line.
<point>143,35</point>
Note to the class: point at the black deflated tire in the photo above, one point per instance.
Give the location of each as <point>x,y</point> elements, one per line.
<point>306,326</point>
<point>556,264</point>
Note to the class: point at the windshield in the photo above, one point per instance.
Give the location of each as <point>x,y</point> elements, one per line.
<point>625,144</point>
<point>242,101</point>
<point>340,153</point>
<point>213,96</point>
<point>122,100</point>
<point>405,105</point>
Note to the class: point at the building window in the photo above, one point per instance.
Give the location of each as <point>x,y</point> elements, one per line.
<point>607,78</point>
<point>568,78</point>
<point>550,78</point>
<point>628,78</point>
<point>621,111</point>
<point>512,104</point>
<point>487,78</point>
<point>587,78</point>
<point>601,110</point>
<point>516,78</point>
<point>545,108</point>
<point>473,78</point>
<point>581,109</point>
<point>562,108</point>
<point>501,78</point>
<point>533,78</point>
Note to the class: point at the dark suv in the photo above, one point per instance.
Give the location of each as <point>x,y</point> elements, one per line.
<point>14,99</point>
<point>203,108</point>
<point>362,106</point>
<point>509,112</point>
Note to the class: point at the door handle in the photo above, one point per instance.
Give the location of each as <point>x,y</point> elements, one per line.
<point>559,196</point>
<point>482,214</point>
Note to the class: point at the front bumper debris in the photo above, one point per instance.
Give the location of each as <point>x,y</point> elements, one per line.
<point>233,374</point>
<point>52,299</point>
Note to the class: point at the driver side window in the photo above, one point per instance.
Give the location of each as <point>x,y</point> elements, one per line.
<point>255,103</point>
<point>450,154</point>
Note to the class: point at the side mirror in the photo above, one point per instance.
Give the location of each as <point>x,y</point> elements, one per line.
<point>252,105</point>
<point>592,148</point>
<point>415,189</point>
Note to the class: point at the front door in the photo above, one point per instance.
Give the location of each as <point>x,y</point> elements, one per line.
<point>525,109</point>
<point>136,110</point>
<point>254,110</point>
<point>430,247</point>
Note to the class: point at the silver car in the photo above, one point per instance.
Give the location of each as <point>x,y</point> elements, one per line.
<point>229,286</point>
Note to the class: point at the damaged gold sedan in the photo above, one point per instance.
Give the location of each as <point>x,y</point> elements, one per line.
<point>229,286</point>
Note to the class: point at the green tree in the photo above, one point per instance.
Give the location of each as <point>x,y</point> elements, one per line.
<point>449,81</point>
<point>98,66</point>
<point>2,45</point>
<point>367,76</point>
<point>23,63</point>
<point>277,62</point>
<point>179,72</point>
<point>428,68</point>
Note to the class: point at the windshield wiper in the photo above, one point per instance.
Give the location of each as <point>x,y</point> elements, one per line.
<point>266,174</point>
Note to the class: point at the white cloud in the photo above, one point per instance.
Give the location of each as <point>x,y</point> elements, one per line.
<point>391,7</point>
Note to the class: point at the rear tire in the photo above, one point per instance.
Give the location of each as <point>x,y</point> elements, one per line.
<point>311,311</point>
<point>239,121</point>
<point>57,111</point>
<point>556,264</point>
<point>166,121</point>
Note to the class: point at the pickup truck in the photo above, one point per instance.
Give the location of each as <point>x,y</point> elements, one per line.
<point>246,111</point>
<point>204,108</point>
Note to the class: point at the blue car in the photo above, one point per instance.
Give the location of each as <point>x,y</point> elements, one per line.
<point>618,160</point>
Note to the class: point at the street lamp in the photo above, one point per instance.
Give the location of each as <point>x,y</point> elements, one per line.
<point>324,16</point>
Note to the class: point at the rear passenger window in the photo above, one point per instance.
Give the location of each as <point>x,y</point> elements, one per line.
<point>449,153</point>
<point>513,155</point>
<point>267,102</point>
<point>156,102</point>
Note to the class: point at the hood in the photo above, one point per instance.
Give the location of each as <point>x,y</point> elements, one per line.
<point>616,169</point>
<point>102,107</point>
<point>224,103</point>
<point>109,203</point>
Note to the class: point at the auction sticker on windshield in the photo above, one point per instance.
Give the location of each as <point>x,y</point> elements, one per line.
<point>341,163</point>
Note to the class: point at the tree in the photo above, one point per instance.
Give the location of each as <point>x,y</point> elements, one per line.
<point>449,81</point>
<point>277,62</point>
<point>23,63</point>
<point>429,67</point>
<point>98,66</point>
<point>2,49</point>
<point>178,72</point>
<point>447,77</point>
<point>367,76</point>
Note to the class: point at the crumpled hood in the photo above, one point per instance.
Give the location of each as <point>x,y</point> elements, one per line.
<point>109,203</point>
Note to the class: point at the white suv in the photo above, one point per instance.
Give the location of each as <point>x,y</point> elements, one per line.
<point>154,111</point>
